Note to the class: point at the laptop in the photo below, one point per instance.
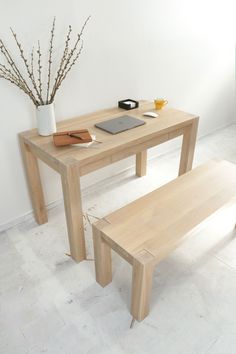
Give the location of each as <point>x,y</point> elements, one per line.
<point>120,124</point>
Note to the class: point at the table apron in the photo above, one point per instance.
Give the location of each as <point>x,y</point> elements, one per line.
<point>130,151</point>
<point>46,158</point>
<point>111,158</point>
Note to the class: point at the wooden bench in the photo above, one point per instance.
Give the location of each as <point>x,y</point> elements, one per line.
<point>147,230</point>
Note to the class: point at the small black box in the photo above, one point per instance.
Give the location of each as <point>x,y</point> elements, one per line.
<point>128,104</point>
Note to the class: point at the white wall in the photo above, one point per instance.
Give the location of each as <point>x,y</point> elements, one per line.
<point>182,50</point>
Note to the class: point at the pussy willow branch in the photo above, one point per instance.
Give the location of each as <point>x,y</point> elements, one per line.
<point>84,25</point>
<point>26,65</point>
<point>12,79</point>
<point>75,46</point>
<point>16,82</point>
<point>67,61</point>
<point>39,70</point>
<point>23,57</point>
<point>32,70</point>
<point>12,64</point>
<point>63,59</point>
<point>69,68</point>
<point>70,55</point>
<point>9,59</point>
<point>50,58</point>
<point>7,72</point>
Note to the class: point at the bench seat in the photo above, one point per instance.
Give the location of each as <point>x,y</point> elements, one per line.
<point>148,229</point>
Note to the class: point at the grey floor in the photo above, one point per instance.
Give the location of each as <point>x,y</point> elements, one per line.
<point>49,304</point>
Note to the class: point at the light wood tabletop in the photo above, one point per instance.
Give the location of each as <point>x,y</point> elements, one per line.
<point>72,162</point>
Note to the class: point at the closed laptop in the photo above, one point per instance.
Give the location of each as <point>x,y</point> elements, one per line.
<point>120,124</point>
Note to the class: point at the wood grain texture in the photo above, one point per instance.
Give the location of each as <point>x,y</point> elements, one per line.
<point>102,257</point>
<point>188,147</point>
<point>164,215</point>
<point>141,163</point>
<point>142,276</point>
<point>73,208</point>
<point>169,120</point>
<point>157,223</point>
<point>170,124</point>
<point>34,183</point>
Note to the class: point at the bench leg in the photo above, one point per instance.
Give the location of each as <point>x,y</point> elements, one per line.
<point>102,257</point>
<point>141,288</point>
<point>141,163</point>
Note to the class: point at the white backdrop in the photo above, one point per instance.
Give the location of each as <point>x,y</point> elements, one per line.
<point>182,50</point>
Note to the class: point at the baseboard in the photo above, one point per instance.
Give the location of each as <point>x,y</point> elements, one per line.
<point>28,217</point>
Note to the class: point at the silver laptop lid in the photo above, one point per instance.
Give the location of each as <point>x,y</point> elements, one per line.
<point>120,124</point>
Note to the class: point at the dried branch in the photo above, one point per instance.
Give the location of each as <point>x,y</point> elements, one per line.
<point>11,62</point>
<point>84,25</point>
<point>9,59</point>
<point>50,58</point>
<point>10,76</point>
<point>67,61</point>
<point>32,67</point>
<point>16,82</point>
<point>39,70</point>
<point>63,59</point>
<point>70,55</point>
<point>7,73</point>
<point>69,68</point>
<point>4,69</point>
<point>26,65</point>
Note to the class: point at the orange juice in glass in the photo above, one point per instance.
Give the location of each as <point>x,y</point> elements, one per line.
<point>160,103</point>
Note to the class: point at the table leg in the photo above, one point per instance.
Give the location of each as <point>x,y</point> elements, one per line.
<point>34,183</point>
<point>188,147</point>
<point>73,209</point>
<point>141,163</point>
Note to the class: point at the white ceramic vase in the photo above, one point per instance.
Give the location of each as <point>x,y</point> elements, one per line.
<point>46,121</point>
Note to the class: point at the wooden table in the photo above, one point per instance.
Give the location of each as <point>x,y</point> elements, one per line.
<point>73,162</point>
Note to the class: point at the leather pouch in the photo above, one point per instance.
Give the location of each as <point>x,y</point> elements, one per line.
<point>72,137</point>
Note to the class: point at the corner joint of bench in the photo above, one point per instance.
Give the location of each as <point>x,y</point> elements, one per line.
<point>145,257</point>
<point>100,224</point>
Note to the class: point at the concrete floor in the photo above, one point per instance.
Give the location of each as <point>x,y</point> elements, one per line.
<point>49,304</point>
